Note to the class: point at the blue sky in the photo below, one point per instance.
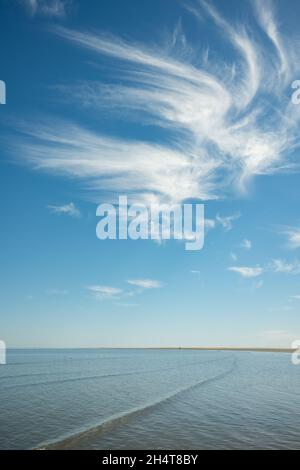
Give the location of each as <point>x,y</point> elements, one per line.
<point>168,100</point>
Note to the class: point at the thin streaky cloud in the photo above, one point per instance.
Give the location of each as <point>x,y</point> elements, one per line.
<point>293,237</point>
<point>145,283</point>
<point>209,224</point>
<point>258,284</point>
<point>227,221</point>
<point>227,127</point>
<point>104,292</point>
<point>285,267</point>
<point>49,8</point>
<point>247,50</point>
<point>267,18</point>
<point>67,209</point>
<point>246,244</point>
<point>115,165</point>
<point>246,271</point>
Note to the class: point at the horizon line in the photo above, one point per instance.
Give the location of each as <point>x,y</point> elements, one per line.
<point>186,348</point>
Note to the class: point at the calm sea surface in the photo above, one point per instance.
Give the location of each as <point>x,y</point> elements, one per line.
<point>149,399</point>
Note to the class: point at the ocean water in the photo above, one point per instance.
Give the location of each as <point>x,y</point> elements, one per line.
<point>149,399</point>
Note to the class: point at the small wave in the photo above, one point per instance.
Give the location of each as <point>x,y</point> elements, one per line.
<point>29,374</point>
<point>117,420</point>
<point>94,377</point>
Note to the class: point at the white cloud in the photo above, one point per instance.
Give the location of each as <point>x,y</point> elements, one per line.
<point>247,272</point>
<point>228,120</point>
<point>293,237</point>
<point>282,266</point>
<point>258,284</point>
<point>227,221</point>
<point>67,209</point>
<point>209,224</point>
<point>279,266</point>
<point>266,17</point>
<point>145,283</point>
<point>50,8</point>
<point>246,244</point>
<point>296,297</point>
<point>105,292</point>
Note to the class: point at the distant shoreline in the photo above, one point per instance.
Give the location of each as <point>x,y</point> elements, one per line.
<point>217,348</point>
<point>282,350</point>
<point>163,348</point>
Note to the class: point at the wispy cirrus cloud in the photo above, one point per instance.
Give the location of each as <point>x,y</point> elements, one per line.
<point>227,221</point>
<point>49,8</point>
<point>246,271</point>
<point>258,284</point>
<point>228,122</point>
<point>293,237</point>
<point>67,209</point>
<point>276,266</point>
<point>285,267</point>
<point>224,221</point>
<point>246,244</point>
<point>145,283</point>
<point>105,292</point>
<point>266,15</point>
